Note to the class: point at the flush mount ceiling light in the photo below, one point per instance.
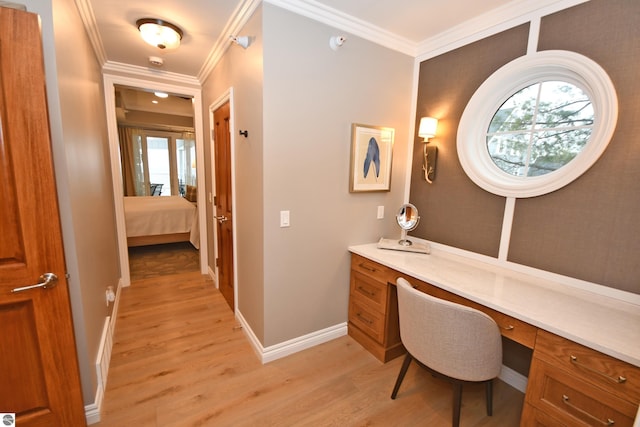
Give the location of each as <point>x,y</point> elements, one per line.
<point>159,33</point>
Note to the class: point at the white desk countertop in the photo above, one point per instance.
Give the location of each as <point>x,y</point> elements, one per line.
<point>603,323</point>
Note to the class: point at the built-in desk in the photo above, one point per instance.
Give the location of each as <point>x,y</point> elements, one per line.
<point>586,361</point>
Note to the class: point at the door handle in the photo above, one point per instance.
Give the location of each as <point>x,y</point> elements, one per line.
<point>221,218</point>
<point>47,280</point>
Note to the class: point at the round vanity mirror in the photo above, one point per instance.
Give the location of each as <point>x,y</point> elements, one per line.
<point>408,220</point>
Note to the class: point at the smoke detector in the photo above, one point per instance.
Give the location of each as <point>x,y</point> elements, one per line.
<point>156,61</point>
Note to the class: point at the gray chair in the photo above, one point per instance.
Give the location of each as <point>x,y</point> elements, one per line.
<point>452,341</point>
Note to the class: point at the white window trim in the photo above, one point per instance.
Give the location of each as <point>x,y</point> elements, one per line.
<point>546,65</point>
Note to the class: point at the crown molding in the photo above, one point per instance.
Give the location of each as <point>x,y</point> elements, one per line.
<point>91,27</point>
<point>111,67</point>
<point>238,19</point>
<point>335,18</point>
<point>492,22</point>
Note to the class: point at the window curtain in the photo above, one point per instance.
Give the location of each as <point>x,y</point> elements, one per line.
<point>186,158</point>
<point>132,155</point>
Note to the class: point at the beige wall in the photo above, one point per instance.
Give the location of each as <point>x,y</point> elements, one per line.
<point>298,99</point>
<point>587,230</point>
<point>78,132</point>
<point>312,95</point>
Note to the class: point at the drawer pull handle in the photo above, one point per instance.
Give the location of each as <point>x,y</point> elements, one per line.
<point>366,267</point>
<point>364,319</point>
<point>619,380</point>
<point>508,328</point>
<point>609,421</point>
<point>364,291</point>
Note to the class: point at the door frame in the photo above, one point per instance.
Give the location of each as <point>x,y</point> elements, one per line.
<point>110,81</point>
<point>226,96</point>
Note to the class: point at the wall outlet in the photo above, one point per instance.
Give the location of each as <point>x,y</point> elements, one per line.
<point>110,295</point>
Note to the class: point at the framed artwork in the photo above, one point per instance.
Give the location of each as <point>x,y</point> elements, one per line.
<point>371,149</point>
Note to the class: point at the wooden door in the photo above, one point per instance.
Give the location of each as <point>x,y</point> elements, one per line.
<point>39,379</point>
<point>224,209</point>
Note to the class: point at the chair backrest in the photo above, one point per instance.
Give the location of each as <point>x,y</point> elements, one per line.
<point>156,189</point>
<point>455,340</point>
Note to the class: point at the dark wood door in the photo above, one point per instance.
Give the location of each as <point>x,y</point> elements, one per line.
<point>224,208</point>
<point>39,379</point>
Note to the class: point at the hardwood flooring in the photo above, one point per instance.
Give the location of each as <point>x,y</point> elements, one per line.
<point>180,359</point>
<point>161,260</point>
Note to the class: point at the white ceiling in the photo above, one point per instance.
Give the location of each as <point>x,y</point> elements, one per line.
<point>207,25</point>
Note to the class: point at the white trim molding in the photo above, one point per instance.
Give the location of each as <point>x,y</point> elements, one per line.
<point>340,20</point>
<point>286,348</point>
<point>93,411</point>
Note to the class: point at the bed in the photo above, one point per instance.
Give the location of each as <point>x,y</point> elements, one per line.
<point>152,220</point>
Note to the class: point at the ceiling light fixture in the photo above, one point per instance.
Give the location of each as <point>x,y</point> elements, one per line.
<point>161,94</point>
<point>159,33</point>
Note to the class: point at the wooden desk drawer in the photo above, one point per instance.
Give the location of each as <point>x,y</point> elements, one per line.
<point>370,268</point>
<point>532,417</point>
<point>369,291</point>
<point>370,321</point>
<point>570,400</point>
<point>510,327</point>
<point>612,375</point>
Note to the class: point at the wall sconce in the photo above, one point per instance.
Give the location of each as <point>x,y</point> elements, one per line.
<point>159,33</point>
<point>336,41</point>
<point>241,41</point>
<point>426,130</point>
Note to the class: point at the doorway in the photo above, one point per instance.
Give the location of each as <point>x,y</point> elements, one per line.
<point>225,226</point>
<point>174,184</point>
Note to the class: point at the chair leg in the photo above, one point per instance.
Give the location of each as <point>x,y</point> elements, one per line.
<point>401,374</point>
<point>490,397</point>
<point>457,402</point>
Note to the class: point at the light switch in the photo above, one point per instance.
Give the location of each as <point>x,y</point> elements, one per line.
<point>284,218</point>
<point>380,212</point>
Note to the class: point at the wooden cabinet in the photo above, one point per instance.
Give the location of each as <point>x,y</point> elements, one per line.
<point>577,386</point>
<point>569,384</point>
<point>373,309</point>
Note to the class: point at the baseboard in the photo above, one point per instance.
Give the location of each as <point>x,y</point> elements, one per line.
<point>277,351</point>
<point>513,378</point>
<point>103,359</point>
<point>92,411</point>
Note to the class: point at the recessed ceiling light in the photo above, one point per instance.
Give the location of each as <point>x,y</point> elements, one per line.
<point>154,101</point>
<point>161,94</point>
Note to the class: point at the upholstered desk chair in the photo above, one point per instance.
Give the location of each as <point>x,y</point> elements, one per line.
<point>452,341</point>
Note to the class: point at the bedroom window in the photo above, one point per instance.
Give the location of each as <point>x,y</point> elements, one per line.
<point>537,124</point>
<point>163,163</point>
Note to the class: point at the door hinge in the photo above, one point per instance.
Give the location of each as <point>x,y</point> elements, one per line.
<point>215,200</point>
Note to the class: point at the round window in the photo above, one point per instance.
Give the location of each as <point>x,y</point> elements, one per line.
<point>537,124</point>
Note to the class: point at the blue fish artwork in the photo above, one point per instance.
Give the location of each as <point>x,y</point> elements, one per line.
<point>373,155</point>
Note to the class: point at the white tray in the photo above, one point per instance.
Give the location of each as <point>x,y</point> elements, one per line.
<point>393,245</point>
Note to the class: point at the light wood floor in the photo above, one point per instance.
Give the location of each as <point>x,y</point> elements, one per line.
<point>179,359</point>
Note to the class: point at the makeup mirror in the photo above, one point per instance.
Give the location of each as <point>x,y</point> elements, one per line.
<point>407,219</point>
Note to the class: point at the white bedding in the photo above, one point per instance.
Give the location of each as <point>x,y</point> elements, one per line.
<point>153,215</point>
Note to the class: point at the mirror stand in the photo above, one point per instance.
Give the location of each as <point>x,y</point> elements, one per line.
<point>403,238</point>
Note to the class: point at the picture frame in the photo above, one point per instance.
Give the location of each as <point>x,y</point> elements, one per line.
<point>371,158</point>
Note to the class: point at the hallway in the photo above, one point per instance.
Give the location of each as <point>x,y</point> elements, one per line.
<point>180,359</point>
